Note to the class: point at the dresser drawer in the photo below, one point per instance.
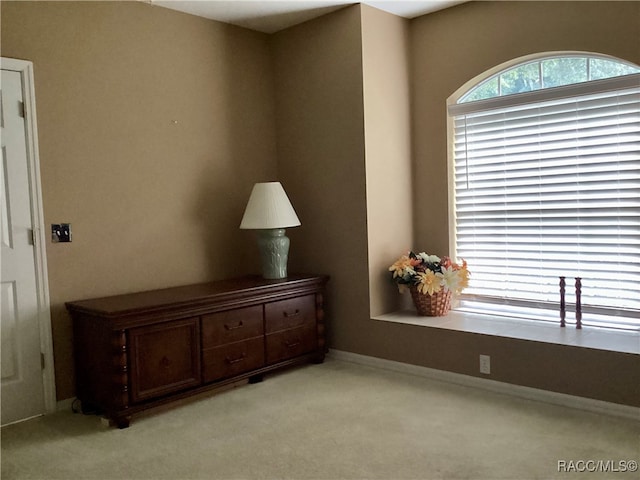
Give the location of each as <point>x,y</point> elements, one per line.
<point>232,326</point>
<point>292,313</point>
<point>291,343</point>
<point>233,359</point>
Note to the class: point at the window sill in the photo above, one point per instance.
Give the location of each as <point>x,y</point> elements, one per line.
<point>517,328</point>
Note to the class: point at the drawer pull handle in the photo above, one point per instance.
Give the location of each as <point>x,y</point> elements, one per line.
<point>165,362</point>
<point>234,327</point>
<point>291,314</point>
<point>295,343</point>
<point>231,361</point>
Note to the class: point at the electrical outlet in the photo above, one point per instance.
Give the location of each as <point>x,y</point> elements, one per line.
<point>60,232</point>
<point>485,364</point>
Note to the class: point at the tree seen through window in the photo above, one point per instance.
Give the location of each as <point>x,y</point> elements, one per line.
<point>548,73</point>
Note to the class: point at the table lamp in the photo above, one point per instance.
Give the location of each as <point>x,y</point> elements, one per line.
<point>269,212</point>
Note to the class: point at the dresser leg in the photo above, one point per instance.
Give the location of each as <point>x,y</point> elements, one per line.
<point>122,422</point>
<point>256,379</point>
<point>319,358</point>
<point>88,408</point>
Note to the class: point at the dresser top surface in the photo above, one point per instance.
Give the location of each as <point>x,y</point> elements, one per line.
<point>221,290</point>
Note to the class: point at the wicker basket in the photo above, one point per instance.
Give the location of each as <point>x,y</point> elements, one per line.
<point>436,305</point>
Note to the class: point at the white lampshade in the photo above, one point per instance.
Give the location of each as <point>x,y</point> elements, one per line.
<point>269,207</point>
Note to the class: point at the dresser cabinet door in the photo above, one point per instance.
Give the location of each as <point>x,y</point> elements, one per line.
<point>291,328</point>
<point>164,358</point>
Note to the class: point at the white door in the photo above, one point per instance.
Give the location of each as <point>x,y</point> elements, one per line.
<point>22,381</point>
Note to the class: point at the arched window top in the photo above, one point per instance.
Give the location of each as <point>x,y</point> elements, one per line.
<point>548,72</point>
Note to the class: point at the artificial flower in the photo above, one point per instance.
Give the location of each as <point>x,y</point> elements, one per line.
<point>429,283</point>
<point>430,274</point>
<point>429,258</point>
<point>464,278</point>
<point>449,278</point>
<point>401,267</point>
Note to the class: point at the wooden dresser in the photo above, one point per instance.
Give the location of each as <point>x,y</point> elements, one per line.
<point>141,350</point>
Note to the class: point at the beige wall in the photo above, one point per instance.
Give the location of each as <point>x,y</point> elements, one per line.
<point>323,107</point>
<point>153,127</point>
<point>320,137</point>
<point>387,120</point>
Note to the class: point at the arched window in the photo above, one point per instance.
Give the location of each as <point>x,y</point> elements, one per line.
<point>548,72</point>
<point>545,165</point>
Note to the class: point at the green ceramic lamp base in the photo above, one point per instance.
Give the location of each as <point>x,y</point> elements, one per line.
<point>274,252</point>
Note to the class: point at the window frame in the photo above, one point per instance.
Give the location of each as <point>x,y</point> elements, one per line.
<point>454,108</point>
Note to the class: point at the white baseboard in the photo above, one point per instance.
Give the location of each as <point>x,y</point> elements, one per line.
<point>528,393</point>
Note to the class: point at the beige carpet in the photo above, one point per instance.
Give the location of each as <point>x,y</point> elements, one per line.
<point>337,420</point>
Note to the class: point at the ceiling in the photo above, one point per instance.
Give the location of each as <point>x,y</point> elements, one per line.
<point>270,16</point>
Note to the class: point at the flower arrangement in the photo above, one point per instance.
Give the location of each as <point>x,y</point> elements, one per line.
<point>430,274</point>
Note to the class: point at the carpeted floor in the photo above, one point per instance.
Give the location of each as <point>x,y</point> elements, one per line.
<point>337,420</point>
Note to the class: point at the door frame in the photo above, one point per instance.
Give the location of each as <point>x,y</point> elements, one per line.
<point>25,68</point>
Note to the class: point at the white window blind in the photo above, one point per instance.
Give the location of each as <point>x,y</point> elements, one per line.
<point>547,183</point>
